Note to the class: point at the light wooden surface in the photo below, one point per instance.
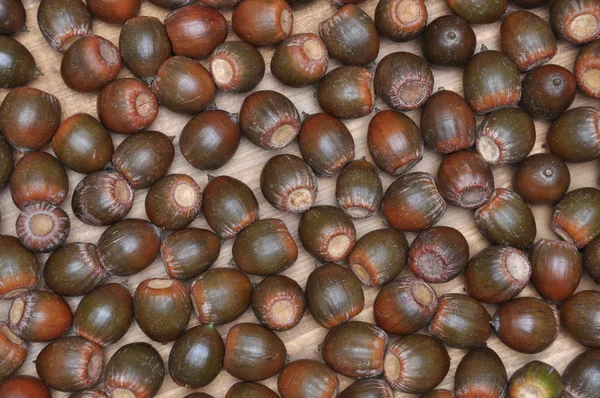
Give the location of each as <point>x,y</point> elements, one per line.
<point>302,341</point>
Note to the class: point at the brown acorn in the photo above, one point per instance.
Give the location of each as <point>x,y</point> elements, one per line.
<point>405,305</point>
<point>327,233</point>
<point>6,163</point>
<point>587,69</point>
<point>62,22</point>
<point>548,91</point>
<point>580,376</point>
<point>413,203</point>
<point>403,80</point>
<point>368,388</point>
<point>13,18</point>
<point>340,3</point>
<point>531,3</point>
<point>114,11</point>
<point>394,142</point>
<point>580,316</point>
<point>575,20</point>
<point>24,387</point>
<point>542,178</point>
<point>104,315</point>
<point>478,11</point>
<point>253,352</point>
<point>536,377</point>
<point>173,4</point>
<point>19,66</point>
<point>448,40</point>
<point>237,66</point>
<point>575,135</point>
<point>189,252</point>
<point>438,254</point>
<point>347,92</point>
<point>19,271</point>
<point>401,20</point>
<point>300,60</point>
<point>438,394</point>
<point>497,274</point>
<point>358,189</point>
<point>29,118</point>
<point>591,260</point>
<point>278,302</point>
<point>576,217</point>
<point>173,202</point>
<point>464,179</point>
<point>262,22</point>
<point>247,389</point>
<point>306,378</point>
<point>480,373</point>
<point>89,394</point>
<point>333,295</point>
<point>13,352</point>
<point>42,227</point>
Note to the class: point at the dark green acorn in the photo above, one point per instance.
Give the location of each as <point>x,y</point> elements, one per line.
<point>246,389</point>
<point>478,11</point>
<point>306,378</point>
<point>480,373</point>
<point>358,189</point>
<point>371,388</point>
<point>542,178</point>
<point>237,66</point>
<point>448,40</point>
<point>548,91</point>
<point>173,202</point>
<point>591,260</point>
<point>62,22</point>
<point>401,20</point>
<point>300,60</point>
<point>189,252</point>
<point>347,92</point>
<point>536,378</point>
<point>12,18</point>
<point>581,376</point>
<point>576,217</point>
<point>6,163</point>
<point>19,66</point>
<point>278,302</point>
<point>575,135</point>
<point>327,233</point>
<point>580,316</point>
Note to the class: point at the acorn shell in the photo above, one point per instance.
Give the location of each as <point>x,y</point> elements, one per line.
<point>580,316</point>
<point>576,217</point>
<point>358,189</point>
<point>278,302</point>
<point>448,40</point>
<point>173,4</point>
<point>305,378</point>
<point>481,371</point>
<point>531,3</point>
<point>401,20</point>
<point>262,22</point>
<point>236,66</point>
<point>173,202</point>
<point>19,67</point>
<point>368,388</point>
<point>300,60</point>
<point>587,69</point>
<point>42,227</point>
<point>591,260</point>
<point>247,389</point>
<point>189,252</point>
<point>28,385</point>
<point>577,21</point>
<point>13,352</point>
<point>464,179</point>
<point>6,163</point>
<point>438,394</point>
<point>327,233</point>
<point>111,11</point>
<point>580,375</point>
<point>548,91</point>
<point>13,18</point>
<point>537,377</point>
<point>478,11</point>
<point>575,135</point>
<point>19,271</point>
<point>542,178</point>
<point>62,22</point>
<point>337,99</point>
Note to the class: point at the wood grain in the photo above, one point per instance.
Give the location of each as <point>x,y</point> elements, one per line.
<point>302,341</point>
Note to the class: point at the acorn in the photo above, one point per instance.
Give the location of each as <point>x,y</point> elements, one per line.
<point>340,3</point>
<point>89,394</point>
<point>447,122</point>
<point>62,22</point>
<point>144,60</point>
<point>196,357</point>
<point>496,274</point>
<point>13,352</point>
<point>144,158</point>
<point>19,66</point>
<point>173,4</point>
<point>416,364</point>
<point>162,308</point>
<point>104,315</point>
<point>112,11</point>
<point>253,352</point>
<point>548,91</point>
<point>575,135</point>
<point>6,163</point>
<point>542,178</point>
<point>102,198</point>
<point>556,269</point>
<point>575,20</point>
<point>82,144</point>
<point>480,373</point>
<point>347,92</point>
<point>394,142</point>
<point>265,248</point>
<point>438,394</point>
<point>189,252</point>
<point>581,375</point>
<point>379,256</point>
<point>478,11</point>
<point>333,295</point>
<point>506,136</point>
<point>29,118</point>
<point>220,295</point>
<point>24,387</point>
<point>350,36</point>
<point>12,18</point>
<point>42,227</point>
<point>506,220</point>
<point>580,316</point>
<point>229,206</point>
<point>405,305</point>
<point>306,378</point>
<point>536,377</point>
<point>576,217</point>
<point>136,369</point>
<point>262,22</point>
<point>19,271</point>
<point>246,389</point>
<point>194,394</point>
<point>214,3</point>
<point>401,20</point>
<point>448,40</point>
<point>403,80</point>
<point>236,66</point>
<point>128,246</point>
<point>368,388</point>
<point>300,60</point>
<point>413,203</point>
<point>39,316</point>
<point>70,364</point>
<point>591,260</point>
<point>464,179</point>
<point>461,322</point>
<point>531,3</point>
<point>269,119</point>
<point>327,233</point>
<point>526,324</point>
<point>587,69</point>
<point>278,302</point>
<point>358,189</point>
<point>438,254</point>
<point>173,202</point>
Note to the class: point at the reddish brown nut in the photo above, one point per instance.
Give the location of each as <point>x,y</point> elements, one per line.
<point>401,20</point>
<point>189,252</point>
<point>19,272</point>
<point>576,217</point>
<point>587,69</point>
<point>575,135</point>
<point>580,315</point>
<point>24,387</point>
<point>278,302</point>
<point>300,60</point>
<point>42,227</point>
<point>262,22</point>
<point>173,202</point>
<point>542,178</point>
<point>114,11</point>
<point>548,91</point>
<point>575,20</point>
<point>62,22</point>
<point>327,233</point>
<point>464,179</point>
<point>478,11</point>
<point>347,92</point>
<point>358,189</point>
<point>237,66</point>
<point>305,378</point>
<point>591,260</point>
<point>13,352</point>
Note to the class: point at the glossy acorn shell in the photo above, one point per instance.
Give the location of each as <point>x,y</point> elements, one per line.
<point>350,36</point>
<point>306,378</point>
<point>104,315</point>
<point>461,322</point>
<point>89,394</point>
<point>480,373</point>
<point>29,118</point>
<point>128,246</point>
<point>448,40</point>
<point>70,364</point>
<point>576,217</point>
<point>405,305</point>
<point>262,22</point>
<point>24,387</point>
<point>580,316</point>
<point>379,256</point>
<point>538,378</point>
<point>136,369</point>
<point>62,22</point>
<point>144,158</point>
<point>464,179</point>
<point>591,260</point>
<point>556,269</point>
<point>189,252</point>
<point>114,11</point>
<point>531,3</point>
<point>438,394</point>
<point>82,144</point>
<point>278,302</point>
<point>542,178</point>
<point>370,388</point>
<point>39,316</point>
<point>247,389</point>
<point>497,274</point>
<point>577,21</point>
<point>300,60</point>
<point>42,227</point>
<point>416,364</point>
<point>229,206</point>
<point>265,247</point>
<point>347,92</point>
<point>221,295</point>
<point>575,135</point>
<point>12,18</point>
<point>253,352</point>
<point>447,122</point>
<point>13,351</point>
<point>580,376</point>
<point>358,189</point>
<point>438,254</point>
<point>478,11</point>
<point>401,20</point>
<point>548,91</point>
<point>196,357</point>
<point>236,66</point>
<point>19,271</point>
<point>327,233</point>
<point>333,295</point>
<point>173,202</point>
<point>403,80</point>
<point>102,198</point>
<point>173,4</point>
<point>6,163</point>
<point>587,69</point>
<point>19,66</point>
<point>413,203</point>
<point>162,308</point>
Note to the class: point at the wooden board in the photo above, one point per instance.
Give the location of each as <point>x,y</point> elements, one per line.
<point>302,341</point>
